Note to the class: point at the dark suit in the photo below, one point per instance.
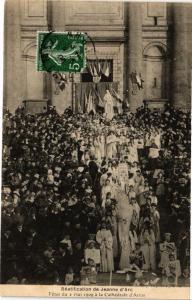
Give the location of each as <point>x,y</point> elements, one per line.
<point>62,263</point>
<point>93,170</point>
<point>19,238</point>
<point>7,251</point>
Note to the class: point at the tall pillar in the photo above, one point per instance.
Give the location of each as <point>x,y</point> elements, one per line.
<point>180,65</point>
<point>12,57</point>
<point>189,49</point>
<point>58,21</point>
<point>135,57</point>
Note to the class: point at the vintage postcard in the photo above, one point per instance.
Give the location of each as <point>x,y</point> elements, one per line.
<point>96,151</point>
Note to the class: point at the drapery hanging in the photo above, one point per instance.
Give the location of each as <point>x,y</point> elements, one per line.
<point>97,91</point>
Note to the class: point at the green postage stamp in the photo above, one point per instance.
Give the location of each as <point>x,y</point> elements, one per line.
<point>61,51</point>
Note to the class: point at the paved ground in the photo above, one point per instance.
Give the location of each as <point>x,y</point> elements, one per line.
<point>117,279</point>
<point>103,279</point>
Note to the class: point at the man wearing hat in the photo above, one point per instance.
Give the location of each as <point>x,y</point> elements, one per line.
<point>139,181</point>
<point>16,197</point>
<point>19,235</point>
<point>7,250</point>
<point>78,231</point>
<point>77,259</point>
<point>93,169</point>
<point>62,261</point>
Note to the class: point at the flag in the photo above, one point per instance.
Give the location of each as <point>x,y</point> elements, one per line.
<point>86,101</point>
<point>60,80</point>
<point>107,71</point>
<point>134,82</point>
<point>133,77</point>
<point>90,105</point>
<point>95,71</point>
<point>62,85</point>
<point>115,94</point>
<point>90,69</point>
<point>139,81</point>
<point>104,67</point>
<point>79,107</point>
<point>99,67</point>
<point>100,101</point>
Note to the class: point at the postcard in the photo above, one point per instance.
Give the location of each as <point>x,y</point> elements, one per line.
<point>95,195</point>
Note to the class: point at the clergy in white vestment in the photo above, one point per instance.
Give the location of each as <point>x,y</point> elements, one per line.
<point>111,149</point>
<point>124,215</point>
<point>102,145</point>
<point>97,145</point>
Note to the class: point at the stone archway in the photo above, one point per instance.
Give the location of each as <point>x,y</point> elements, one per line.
<point>155,70</point>
<point>34,82</point>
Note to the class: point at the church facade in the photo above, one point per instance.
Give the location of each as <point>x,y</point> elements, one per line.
<point>151,40</point>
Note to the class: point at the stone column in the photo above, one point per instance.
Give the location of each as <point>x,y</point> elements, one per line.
<point>189,54</point>
<point>58,22</point>
<point>12,56</point>
<point>135,57</point>
<point>180,64</point>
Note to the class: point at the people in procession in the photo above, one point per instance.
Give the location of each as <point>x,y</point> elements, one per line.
<point>71,175</point>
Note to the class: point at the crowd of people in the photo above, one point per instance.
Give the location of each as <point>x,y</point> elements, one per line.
<point>82,195</point>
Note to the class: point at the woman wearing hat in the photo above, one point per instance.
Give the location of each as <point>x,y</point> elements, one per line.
<point>147,240</point>
<point>133,154</point>
<point>97,146</point>
<point>111,145</point>
<point>139,181</point>
<point>105,240</point>
<point>102,144</point>
<point>160,187</point>
<point>166,248</point>
<point>105,190</point>
<point>155,216</point>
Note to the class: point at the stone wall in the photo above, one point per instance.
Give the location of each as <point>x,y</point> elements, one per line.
<point>153,39</point>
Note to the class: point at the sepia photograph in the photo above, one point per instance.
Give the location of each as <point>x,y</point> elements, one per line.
<point>96,149</point>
